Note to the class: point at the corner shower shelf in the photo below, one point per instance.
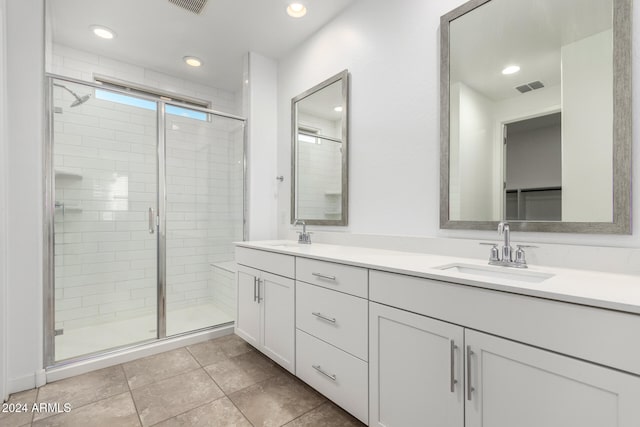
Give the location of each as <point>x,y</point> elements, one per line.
<point>68,174</point>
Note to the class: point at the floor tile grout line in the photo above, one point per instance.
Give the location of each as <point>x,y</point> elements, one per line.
<point>80,406</point>
<point>131,394</point>
<point>162,379</point>
<point>189,410</point>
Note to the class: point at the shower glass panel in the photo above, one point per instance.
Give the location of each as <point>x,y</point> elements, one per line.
<point>204,215</point>
<point>105,243</point>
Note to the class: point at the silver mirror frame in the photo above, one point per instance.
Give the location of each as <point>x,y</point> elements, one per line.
<point>622,127</point>
<point>342,76</point>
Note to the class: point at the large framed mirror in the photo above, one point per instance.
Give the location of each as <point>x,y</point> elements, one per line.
<point>319,154</point>
<point>536,116</point>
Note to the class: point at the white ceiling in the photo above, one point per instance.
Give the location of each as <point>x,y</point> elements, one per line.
<point>157,34</point>
<point>523,32</point>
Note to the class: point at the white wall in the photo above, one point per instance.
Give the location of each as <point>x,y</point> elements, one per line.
<point>587,169</point>
<point>262,135</point>
<point>391,53</point>
<point>3,203</point>
<point>25,67</point>
<point>393,57</point>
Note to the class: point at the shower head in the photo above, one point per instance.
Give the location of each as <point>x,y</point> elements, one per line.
<point>79,100</point>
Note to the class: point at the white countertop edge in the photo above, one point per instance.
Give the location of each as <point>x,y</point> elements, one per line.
<point>620,293</point>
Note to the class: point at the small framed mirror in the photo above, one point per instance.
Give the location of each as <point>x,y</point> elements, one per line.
<point>319,154</point>
<point>536,116</point>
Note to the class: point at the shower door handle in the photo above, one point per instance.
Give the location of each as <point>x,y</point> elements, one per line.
<point>152,222</point>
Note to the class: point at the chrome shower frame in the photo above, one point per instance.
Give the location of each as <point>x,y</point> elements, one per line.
<point>49,218</point>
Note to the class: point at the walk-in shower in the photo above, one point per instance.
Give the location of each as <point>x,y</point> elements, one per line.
<point>144,199</point>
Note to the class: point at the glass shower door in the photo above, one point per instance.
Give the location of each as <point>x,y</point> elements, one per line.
<point>204,216</point>
<point>105,237</point>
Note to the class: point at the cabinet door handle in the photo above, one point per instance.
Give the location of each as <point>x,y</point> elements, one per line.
<point>152,222</point>
<point>453,380</point>
<point>255,287</point>
<point>323,317</point>
<point>470,389</point>
<point>259,293</point>
<point>324,276</point>
<point>332,377</point>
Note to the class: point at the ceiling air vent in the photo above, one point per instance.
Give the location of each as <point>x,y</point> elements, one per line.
<point>530,86</point>
<point>194,6</point>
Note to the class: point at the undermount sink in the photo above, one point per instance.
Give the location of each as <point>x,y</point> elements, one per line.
<point>284,245</point>
<point>497,272</point>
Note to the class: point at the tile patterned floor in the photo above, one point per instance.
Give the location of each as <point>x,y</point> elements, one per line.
<point>221,382</point>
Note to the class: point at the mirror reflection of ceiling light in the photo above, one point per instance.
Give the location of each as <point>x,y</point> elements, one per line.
<point>102,32</point>
<point>338,109</point>
<point>192,61</point>
<point>511,69</point>
<point>296,10</point>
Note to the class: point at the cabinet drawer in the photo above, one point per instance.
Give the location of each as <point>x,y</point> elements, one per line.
<point>280,264</point>
<point>339,319</point>
<point>338,375</point>
<point>339,277</point>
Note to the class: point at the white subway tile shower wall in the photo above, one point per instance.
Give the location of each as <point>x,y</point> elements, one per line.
<point>204,212</point>
<point>105,256</point>
<point>106,273</point>
<point>105,163</point>
<point>78,64</point>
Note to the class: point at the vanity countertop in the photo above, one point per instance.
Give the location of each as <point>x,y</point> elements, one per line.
<point>604,290</point>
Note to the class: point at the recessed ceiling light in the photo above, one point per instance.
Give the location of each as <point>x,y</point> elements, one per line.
<point>192,61</point>
<point>296,10</point>
<point>511,69</point>
<point>102,32</point>
<point>338,109</point>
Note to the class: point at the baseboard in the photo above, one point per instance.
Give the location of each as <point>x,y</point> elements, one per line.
<point>26,382</point>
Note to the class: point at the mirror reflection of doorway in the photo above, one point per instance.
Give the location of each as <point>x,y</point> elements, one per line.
<point>533,184</point>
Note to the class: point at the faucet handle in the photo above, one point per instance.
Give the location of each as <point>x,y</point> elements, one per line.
<point>521,260</point>
<point>495,253</point>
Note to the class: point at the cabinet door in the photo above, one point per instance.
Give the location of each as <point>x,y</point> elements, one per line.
<point>248,308</point>
<point>277,299</point>
<point>415,370</point>
<point>517,385</point>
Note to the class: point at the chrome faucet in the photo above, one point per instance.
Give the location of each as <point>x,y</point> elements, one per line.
<point>304,237</point>
<point>505,230</point>
<point>505,255</point>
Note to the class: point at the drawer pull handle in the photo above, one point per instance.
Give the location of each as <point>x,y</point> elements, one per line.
<point>323,317</point>
<point>319,369</point>
<point>324,276</point>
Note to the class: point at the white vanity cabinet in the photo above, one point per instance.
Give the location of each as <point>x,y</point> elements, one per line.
<point>511,384</point>
<point>402,347</point>
<point>265,307</point>
<point>332,332</point>
<point>425,371</point>
<point>416,370</point>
